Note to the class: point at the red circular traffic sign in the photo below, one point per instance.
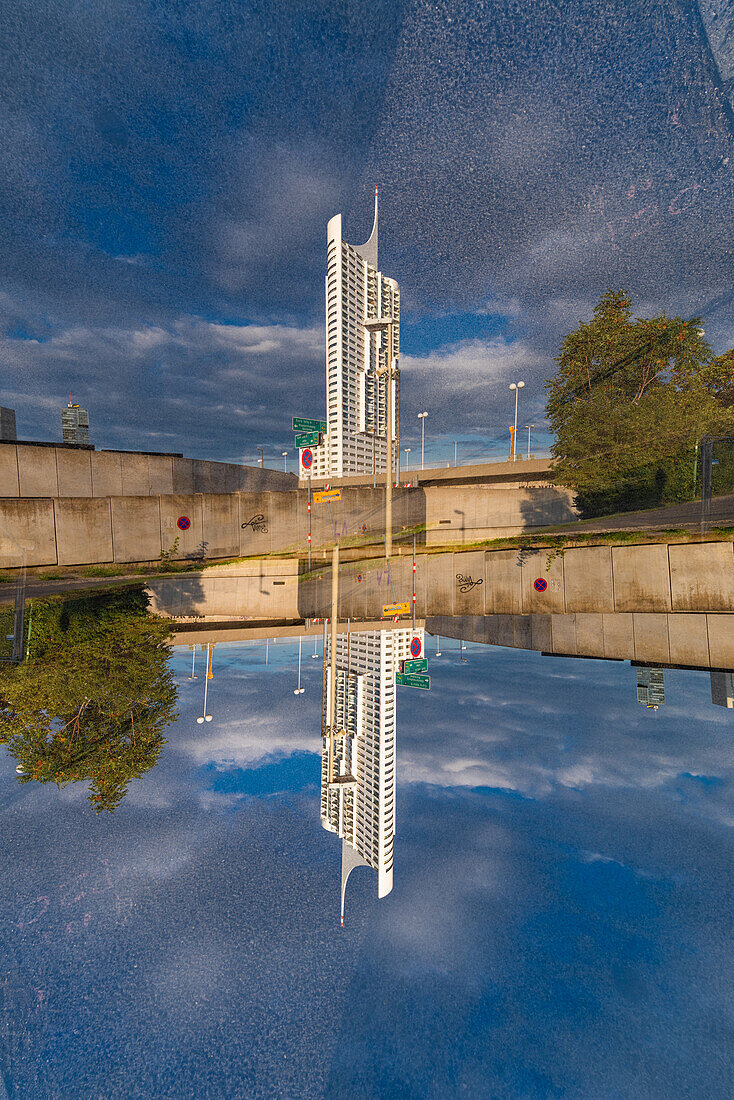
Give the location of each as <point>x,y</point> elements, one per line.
<point>307,459</point>
<point>541,584</point>
<point>184,523</point>
<point>415,647</point>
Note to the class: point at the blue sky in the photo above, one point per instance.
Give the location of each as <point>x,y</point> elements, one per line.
<point>167,172</point>
<point>560,924</point>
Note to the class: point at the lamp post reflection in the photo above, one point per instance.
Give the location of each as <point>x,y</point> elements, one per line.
<point>299,690</point>
<point>209,676</point>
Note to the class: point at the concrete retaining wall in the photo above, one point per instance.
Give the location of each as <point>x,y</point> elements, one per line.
<point>28,471</point>
<point>224,524</point>
<point>467,513</point>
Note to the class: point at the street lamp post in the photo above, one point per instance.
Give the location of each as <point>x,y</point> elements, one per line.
<point>529,426</point>
<point>422,417</point>
<point>407,452</point>
<point>285,461</point>
<point>260,459</point>
<point>516,386</point>
<point>299,690</point>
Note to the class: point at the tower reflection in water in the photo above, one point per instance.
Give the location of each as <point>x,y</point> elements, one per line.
<point>358,761</point>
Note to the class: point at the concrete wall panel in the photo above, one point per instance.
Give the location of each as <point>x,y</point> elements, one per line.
<point>702,576</point>
<point>183,475</point>
<point>135,475</point>
<point>27,532</point>
<point>37,472</point>
<point>641,578</point>
<point>502,582</point>
<point>285,535</point>
<point>83,530</point>
<point>440,584</point>
<point>160,473</point>
<point>505,631</point>
<point>220,515</point>
<point>619,636</point>
<point>74,472</point>
<point>563,632</point>
<point>190,542</point>
<point>9,470</point>
<point>651,638</point>
<point>589,634</point>
<point>688,639</point>
<point>491,629</point>
<point>468,582</point>
<point>136,528</point>
<point>254,523</point>
<point>534,568</point>
<point>106,474</point>
<point>721,640</point>
<point>587,578</point>
<point>522,631</point>
<point>540,633</point>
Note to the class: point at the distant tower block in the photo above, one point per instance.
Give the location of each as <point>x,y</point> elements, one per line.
<point>650,687</point>
<point>356,398</point>
<point>7,425</point>
<point>722,689</point>
<point>75,424</point>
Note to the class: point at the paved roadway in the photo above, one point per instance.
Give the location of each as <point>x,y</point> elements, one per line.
<point>658,519</point>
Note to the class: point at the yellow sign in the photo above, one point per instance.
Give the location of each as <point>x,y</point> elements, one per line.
<point>396,609</point>
<point>327,494</point>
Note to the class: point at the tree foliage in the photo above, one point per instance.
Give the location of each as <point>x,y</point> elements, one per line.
<point>94,697</point>
<point>628,404</point>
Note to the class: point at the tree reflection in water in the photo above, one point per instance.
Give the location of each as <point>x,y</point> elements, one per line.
<point>94,696</point>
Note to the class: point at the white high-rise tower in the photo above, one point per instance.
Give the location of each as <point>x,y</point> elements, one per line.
<point>357,359</point>
<point>358,765</point>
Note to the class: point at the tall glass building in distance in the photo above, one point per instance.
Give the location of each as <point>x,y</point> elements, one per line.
<point>356,393</point>
<point>74,424</point>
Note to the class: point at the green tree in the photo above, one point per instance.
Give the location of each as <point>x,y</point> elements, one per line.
<point>628,404</point>
<point>94,697</point>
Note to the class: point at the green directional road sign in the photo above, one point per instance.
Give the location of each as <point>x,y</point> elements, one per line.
<point>302,425</point>
<point>411,680</point>
<point>420,664</point>
<point>308,439</point>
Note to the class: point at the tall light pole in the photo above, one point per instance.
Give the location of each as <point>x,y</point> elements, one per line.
<point>529,426</point>
<point>260,459</point>
<point>407,452</point>
<point>299,690</point>
<point>285,461</point>
<point>422,417</point>
<point>516,386</point>
<point>384,324</point>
